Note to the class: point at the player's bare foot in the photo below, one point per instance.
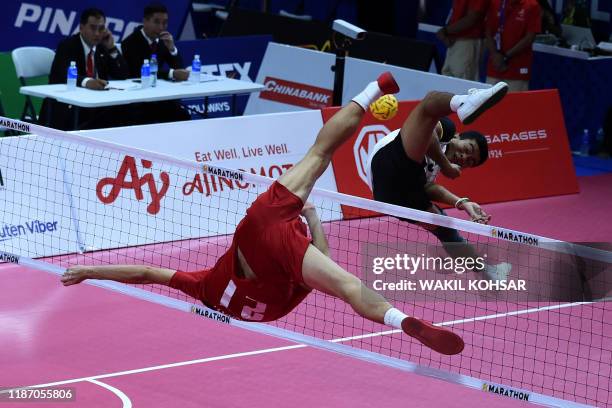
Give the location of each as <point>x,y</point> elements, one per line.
<point>74,275</point>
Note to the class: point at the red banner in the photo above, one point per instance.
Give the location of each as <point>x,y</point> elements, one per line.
<point>293,93</point>
<point>529,154</point>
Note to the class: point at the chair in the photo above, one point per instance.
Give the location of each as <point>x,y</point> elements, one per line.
<point>31,62</point>
<point>7,132</point>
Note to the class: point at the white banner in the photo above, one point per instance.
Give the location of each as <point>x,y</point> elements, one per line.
<point>36,217</point>
<point>112,198</point>
<point>297,79</point>
<point>264,144</point>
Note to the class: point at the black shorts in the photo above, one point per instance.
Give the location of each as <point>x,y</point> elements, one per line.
<point>397,179</point>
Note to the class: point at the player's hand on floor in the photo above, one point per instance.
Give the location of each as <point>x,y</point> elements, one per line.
<point>74,275</point>
<point>476,213</point>
<point>452,172</point>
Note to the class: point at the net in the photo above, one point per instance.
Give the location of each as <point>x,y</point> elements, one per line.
<point>73,200</point>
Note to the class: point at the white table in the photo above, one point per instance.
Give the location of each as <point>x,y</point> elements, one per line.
<point>128,91</point>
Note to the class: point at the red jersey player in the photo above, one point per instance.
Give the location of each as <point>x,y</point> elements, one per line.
<point>271,266</point>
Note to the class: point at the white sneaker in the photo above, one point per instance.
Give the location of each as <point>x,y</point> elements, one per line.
<point>497,272</point>
<point>479,100</point>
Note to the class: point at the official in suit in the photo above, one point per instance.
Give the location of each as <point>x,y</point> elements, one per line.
<point>153,38</point>
<point>98,60</point>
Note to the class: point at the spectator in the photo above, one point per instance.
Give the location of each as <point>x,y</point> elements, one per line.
<point>550,24</point>
<point>151,38</point>
<point>510,30</point>
<point>463,37</point>
<point>97,60</point>
<point>576,12</point>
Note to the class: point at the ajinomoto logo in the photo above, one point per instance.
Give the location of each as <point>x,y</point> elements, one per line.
<point>294,93</point>
<point>129,179</point>
<point>366,140</point>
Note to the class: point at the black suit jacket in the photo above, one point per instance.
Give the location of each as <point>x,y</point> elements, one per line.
<point>60,115</point>
<point>136,48</point>
<point>71,49</point>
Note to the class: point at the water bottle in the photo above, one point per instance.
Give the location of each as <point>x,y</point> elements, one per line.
<point>145,74</point>
<point>71,81</point>
<point>153,69</point>
<point>196,68</point>
<point>585,146</point>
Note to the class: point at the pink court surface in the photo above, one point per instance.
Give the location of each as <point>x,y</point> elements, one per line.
<point>117,351</point>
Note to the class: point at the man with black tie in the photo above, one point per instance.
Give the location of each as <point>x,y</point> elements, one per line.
<point>97,60</point>
<point>153,38</point>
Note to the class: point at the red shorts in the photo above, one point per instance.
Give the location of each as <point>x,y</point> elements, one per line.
<point>273,240</point>
<point>272,237</point>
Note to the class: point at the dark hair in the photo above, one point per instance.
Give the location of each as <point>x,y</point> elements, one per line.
<point>154,8</point>
<point>91,12</point>
<point>448,129</point>
<point>481,141</point>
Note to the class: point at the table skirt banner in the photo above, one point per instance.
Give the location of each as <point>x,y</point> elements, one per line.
<point>233,57</point>
<point>529,155</point>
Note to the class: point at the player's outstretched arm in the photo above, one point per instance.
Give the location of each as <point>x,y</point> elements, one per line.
<point>319,240</point>
<point>120,273</point>
<point>440,194</point>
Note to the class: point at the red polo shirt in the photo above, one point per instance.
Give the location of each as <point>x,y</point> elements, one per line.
<point>521,17</point>
<point>461,9</point>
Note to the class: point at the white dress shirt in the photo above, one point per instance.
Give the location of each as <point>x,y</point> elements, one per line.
<point>172,52</point>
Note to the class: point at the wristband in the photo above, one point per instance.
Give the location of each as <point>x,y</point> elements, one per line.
<point>461,201</point>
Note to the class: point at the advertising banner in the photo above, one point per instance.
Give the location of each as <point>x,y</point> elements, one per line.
<point>165,203</point>
<point>36,214</point>
<point>529,155</point>
<point>46,22</point>
<point>263,144</point>
<point>234,57</point>
<point>297,79</point>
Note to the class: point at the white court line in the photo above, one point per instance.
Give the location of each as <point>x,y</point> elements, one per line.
<point>275,349</point>
<point>304,340</point>
<point>162,367</point>
<point>127,403</point>
<point>475,319</point>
